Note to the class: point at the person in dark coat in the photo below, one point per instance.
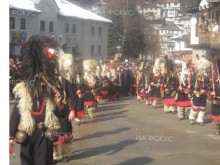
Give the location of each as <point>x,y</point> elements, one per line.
<point>34,121</point>
<point>215,107</point>
<point>170,86</point>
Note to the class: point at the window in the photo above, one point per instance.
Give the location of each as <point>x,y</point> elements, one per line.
<point>67,28</point>
<point>42,26</point>
<point>22,24</point>
<point>92,49</point>
<point>99,49</point>
<point>50,26</point>
<point>73,28</point>
<point>12,22</point>
<point>92,30</point>
<point>100,31</point>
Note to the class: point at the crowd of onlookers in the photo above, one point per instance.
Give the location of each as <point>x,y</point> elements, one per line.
<point>14,75</point>
<point>209,25</point>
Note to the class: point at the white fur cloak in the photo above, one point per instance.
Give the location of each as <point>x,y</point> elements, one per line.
<point>25,105</point>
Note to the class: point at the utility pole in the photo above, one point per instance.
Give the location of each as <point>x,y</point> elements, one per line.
<point>125,20</point>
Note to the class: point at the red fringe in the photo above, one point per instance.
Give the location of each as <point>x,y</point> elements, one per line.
<point>142,94</point>
<point>104,92</point>
<point>80,114</point>
<point>98,97</point>
<point>216,118</point>
<point>89,103</point>
<point>197,108</point>
<point>171,101</point>
<point>183,103</point>
<point>153,98</point>
<point>63,139</point>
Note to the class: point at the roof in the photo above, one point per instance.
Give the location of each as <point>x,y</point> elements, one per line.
<point>66,9</point>
<point>71,10</point>
<point>22,4</point>
<point>155,21</point>
<point>171,28</point>
<point>182,36</point>
<point>150,5</point>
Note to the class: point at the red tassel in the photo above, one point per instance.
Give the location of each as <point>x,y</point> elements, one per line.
<point>11,150</point>
<point>50,53</point>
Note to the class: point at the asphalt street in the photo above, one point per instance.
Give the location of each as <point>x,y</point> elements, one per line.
<point>127,132</point>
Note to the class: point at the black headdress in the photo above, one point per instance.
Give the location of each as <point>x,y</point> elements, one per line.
<point>39,65</point>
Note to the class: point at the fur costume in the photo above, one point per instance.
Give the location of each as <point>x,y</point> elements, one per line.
<point>183,92</point>
<point>156,81</point>
<point>159,67</point>
<point>170,85</point>
<point>25,104</point>
<point>215,96</point>
<point>70,67</point>
<point>200,89</point>
<point>91,82</point>
<point>38,106</point>
<point>90,68</point>
<point>140,82</point>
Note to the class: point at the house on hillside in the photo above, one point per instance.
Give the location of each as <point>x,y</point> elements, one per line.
<point>170,9</point>
<point>166,34</point>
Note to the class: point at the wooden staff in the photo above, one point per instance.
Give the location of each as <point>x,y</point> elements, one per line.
<point>213,77</point>
<point>11,150</point>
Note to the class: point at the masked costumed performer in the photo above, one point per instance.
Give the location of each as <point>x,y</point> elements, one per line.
<point>62,148</point>
<point>215,104</point>
<point>183,93</point>
<point>200,90</point>
<point>34,121</point>
<point>156,83</point>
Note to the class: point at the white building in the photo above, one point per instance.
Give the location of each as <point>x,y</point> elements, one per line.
<point>73,26</point>
<point>167,34</point>
<point>150,10</point>
<point>170,9</point>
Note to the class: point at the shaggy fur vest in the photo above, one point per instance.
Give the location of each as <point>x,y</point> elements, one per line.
<point>25,105</point>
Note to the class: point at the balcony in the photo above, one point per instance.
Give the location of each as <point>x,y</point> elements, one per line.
<point>209,39</point>
<point>204,38</point>
<point>215,40</point>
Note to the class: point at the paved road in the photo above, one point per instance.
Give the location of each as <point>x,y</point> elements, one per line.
<point>127,132</point>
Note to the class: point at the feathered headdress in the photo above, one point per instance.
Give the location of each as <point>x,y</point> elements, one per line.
<point>184,75</point>
<point>66,68</point>
<point>112,64</point>
<point>90,68</point>
<point>159,67</point>
<point>90,65</point>
<point>201,66</point>
<point>39,65</point>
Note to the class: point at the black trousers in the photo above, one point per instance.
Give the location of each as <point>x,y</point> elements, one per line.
<point>37,150</point>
